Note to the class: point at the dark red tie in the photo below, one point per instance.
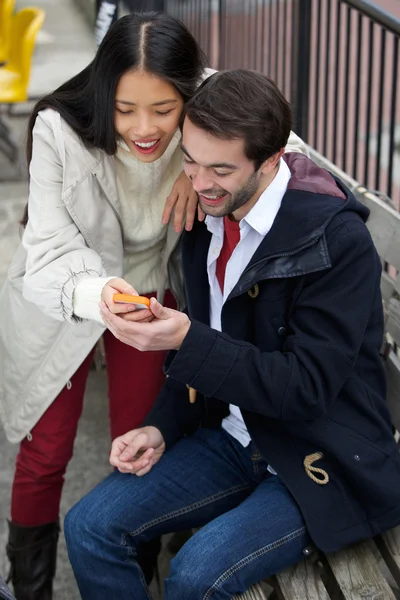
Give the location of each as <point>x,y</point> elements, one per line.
<point>231,240</point>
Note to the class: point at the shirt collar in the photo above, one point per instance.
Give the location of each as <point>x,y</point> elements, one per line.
<point>215,225</point>
<point>262,215</point>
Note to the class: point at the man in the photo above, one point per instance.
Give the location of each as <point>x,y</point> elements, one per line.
<point>271,432</point>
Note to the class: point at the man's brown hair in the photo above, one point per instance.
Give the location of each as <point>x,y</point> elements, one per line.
<point>242,104</point>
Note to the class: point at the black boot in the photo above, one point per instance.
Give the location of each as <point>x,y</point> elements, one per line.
<point>32,552</point>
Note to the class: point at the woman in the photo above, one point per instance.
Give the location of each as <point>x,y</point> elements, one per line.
<point>104,154</point>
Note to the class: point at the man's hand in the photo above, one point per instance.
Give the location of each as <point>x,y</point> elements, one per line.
<point>137,451</point>
<point>166,332</point>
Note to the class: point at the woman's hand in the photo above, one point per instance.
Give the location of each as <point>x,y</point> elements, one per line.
<point>126,311</point>
<point>118,286</point>
<point>184,199</point>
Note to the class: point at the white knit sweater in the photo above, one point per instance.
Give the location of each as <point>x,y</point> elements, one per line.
<point>142,189</point>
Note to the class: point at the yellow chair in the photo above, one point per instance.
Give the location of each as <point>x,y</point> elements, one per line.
<point>15,75</point>
<point>6,11</point>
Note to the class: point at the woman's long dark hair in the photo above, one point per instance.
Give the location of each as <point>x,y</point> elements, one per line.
<point>155,42</point>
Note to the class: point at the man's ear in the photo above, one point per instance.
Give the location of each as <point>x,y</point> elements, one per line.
<point>269,165</point>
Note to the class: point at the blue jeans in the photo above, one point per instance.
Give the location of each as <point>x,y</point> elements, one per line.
<point>251,525</point>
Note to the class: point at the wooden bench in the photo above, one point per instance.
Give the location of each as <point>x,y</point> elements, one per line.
<point>369,570</point>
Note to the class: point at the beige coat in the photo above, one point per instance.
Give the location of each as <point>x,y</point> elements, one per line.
<point>74,231</point>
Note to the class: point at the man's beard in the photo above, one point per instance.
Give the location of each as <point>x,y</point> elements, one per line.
<point>233,201</point>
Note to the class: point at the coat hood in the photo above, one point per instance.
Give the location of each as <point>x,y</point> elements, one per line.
<point>313,198</point>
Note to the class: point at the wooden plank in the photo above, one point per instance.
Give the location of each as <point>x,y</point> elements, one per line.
<point>392,364</point>
<point>393,322</point>
<point>387,287</point>
<point>357,573</point>
<point>254,593</point>
<point>301,582</point>
<point>389,547</point>
<point>384,225</point>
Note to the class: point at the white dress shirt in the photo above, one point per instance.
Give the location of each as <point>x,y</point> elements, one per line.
<point>253,228</point>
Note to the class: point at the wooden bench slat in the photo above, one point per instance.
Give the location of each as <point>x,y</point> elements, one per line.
<point>357,573</point>
<point>387,287</point>
<point>392,365</point>
<point>393,322</point>
<point>384,225</point>
<point>389,547</point>
<point>254,593</point>
<point>301,582</point>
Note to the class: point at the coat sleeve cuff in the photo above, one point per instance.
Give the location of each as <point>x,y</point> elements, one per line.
<point>204,360</point>
<point>172,413</point>
<point>86,298</point>
<point>167,424</point>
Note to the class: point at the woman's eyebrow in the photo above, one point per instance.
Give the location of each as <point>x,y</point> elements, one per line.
<point>160,103</point>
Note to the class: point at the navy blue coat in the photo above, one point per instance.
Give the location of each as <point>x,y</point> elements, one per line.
<point>299,354</point>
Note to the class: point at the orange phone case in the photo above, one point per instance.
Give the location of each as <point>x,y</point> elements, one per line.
<point>128,298</point>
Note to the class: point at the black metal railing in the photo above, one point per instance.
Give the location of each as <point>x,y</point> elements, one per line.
<point>337,61</point>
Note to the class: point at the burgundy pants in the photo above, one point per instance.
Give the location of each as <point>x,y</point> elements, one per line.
<point>134,381</point>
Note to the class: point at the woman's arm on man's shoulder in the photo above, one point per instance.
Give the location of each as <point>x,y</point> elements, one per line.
<point>296,144</point>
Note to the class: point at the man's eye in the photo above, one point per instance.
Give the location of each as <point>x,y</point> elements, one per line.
<point>187,161</point>
<point>222,174</point>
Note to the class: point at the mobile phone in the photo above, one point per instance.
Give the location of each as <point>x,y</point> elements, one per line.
<point>140,302</point>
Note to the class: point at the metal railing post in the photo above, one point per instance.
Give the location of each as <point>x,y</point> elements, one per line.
<point>302,47</point>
